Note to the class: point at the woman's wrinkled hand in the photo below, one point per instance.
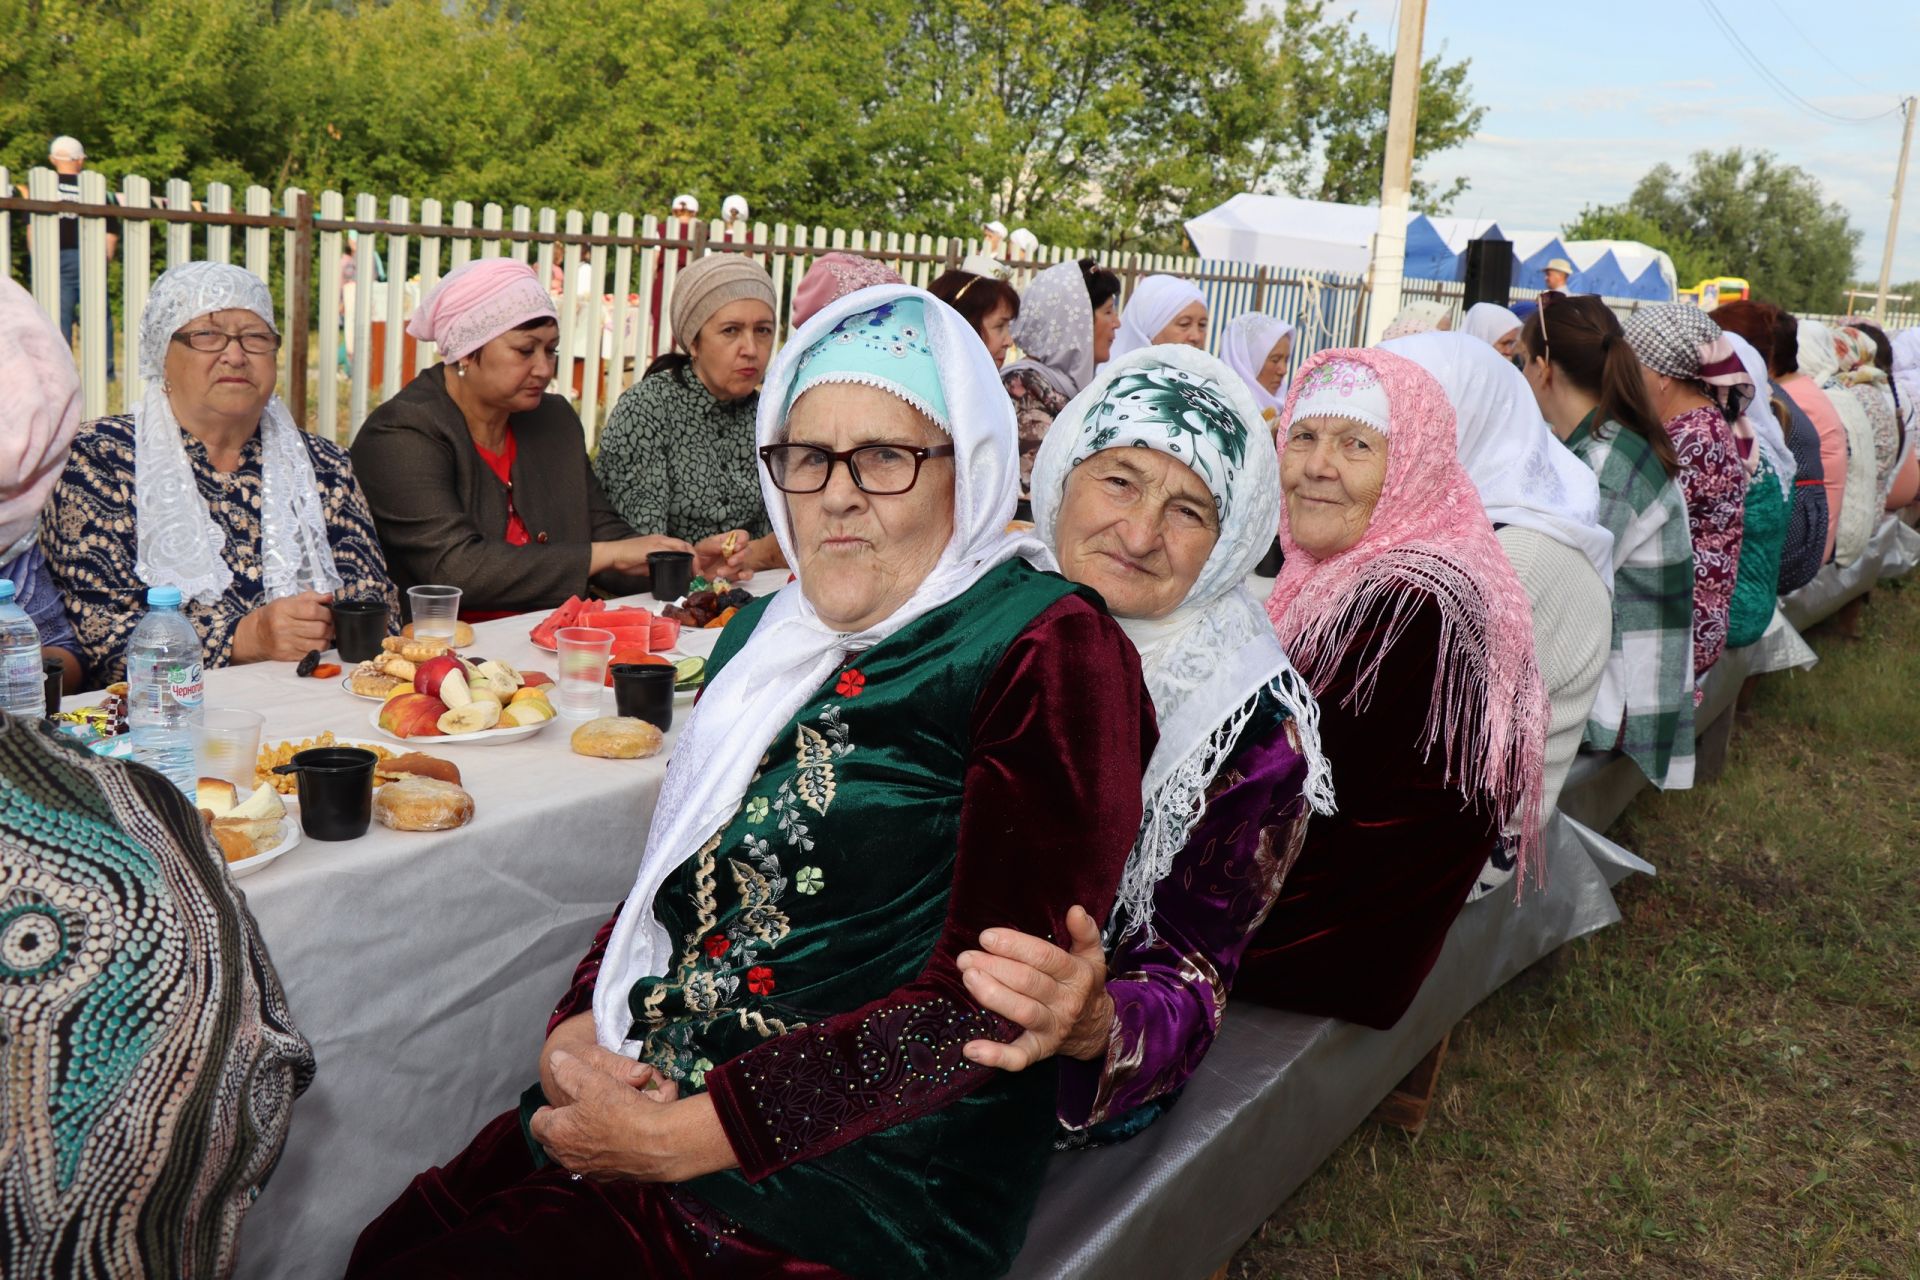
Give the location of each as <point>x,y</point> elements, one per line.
<point>285,630</point>
<point>575,1036</point>
<point>1058,998</point>
<point>607,1129</point>
<point>712,557</point>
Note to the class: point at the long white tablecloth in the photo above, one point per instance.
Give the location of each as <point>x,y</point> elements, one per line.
<point>423,966</point>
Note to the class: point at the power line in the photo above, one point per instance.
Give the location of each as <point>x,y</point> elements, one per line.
<point>1818,51</point>
<point>1774,81</point>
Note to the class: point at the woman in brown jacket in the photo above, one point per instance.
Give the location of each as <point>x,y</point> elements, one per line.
<point>477,477</point>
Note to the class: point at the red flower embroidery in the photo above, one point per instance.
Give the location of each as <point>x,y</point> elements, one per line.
<point>760,980</point>
<point>716,946</point>
<point>851,683</point>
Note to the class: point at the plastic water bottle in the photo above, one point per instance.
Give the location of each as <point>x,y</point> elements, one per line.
<point>164,687</point>
<point>23,684</point>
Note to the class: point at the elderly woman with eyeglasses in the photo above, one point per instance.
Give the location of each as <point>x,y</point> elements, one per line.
<point>759,1069</point>
<point>209,486</point>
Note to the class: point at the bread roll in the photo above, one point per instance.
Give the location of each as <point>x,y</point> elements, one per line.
<point>419,764</point>
<point>462,634</point>
<point>617,738</point>
<point>216,795</point>
<point>422,804</point>
<point>416,650</point>
<point>234,844</point>
<point>262,833</point>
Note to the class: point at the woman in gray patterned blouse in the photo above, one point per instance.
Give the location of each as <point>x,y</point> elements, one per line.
<point>677,454</point>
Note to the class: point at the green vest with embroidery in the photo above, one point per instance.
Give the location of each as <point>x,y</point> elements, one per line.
<point>827,890</point>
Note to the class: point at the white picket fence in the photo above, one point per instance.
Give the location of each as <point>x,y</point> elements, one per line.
<point>611,269</point>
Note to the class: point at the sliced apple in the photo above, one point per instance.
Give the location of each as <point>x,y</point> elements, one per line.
<point>527,694</point>
<point>531,711</point>
<point>427,678</point>
<point>413,716</point>
<point>399,691</point>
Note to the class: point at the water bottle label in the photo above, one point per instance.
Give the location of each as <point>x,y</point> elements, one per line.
<point>186,684</point>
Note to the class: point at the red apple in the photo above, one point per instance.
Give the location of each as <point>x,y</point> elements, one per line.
<point>413,715</point>
<point>533,679</point>
<point>428,675</point>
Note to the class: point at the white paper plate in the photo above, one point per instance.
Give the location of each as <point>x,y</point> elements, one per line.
<point>484,737</point>
<point>289,837</point>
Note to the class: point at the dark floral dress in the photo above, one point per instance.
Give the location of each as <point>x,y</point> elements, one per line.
<point>1714,483</point>
<point>87,532</point>
<point>676,461</point>
<point>1035,405</point>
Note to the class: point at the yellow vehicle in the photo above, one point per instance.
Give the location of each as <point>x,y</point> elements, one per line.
<point>1711,292</point>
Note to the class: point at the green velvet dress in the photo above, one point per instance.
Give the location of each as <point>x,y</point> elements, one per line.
<point>981,767</point>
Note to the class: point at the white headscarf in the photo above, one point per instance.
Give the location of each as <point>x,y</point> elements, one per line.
<point>1489,322</point>
<point>1207,661</point>
<point>1524,475</point>
<point>1759,419</point>
<point>791,651</point>
<point>1249,339</point>
<point>1155,302</point>
<point>1417,317</point>
<point>178,543</point>
<point>1054,329</point>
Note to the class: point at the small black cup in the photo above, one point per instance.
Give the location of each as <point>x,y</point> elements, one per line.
<point>55,674</point>
<point>644,690</point>
<point>336,791</point>
<point>671,573</point>
<point>1269,566</point>
<point>358,628</point>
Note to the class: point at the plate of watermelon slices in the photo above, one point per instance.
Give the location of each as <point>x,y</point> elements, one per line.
<point>635,630</point>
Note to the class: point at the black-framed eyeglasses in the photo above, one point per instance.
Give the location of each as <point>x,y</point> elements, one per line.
<point>255,342</point>
<point>878,469</point>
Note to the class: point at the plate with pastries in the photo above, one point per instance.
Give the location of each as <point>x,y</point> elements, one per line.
<point>250,832</point>
<point>399,661</point>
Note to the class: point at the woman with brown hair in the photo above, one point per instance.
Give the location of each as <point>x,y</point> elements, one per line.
<point>1590,391</point>
<point>989,305</point>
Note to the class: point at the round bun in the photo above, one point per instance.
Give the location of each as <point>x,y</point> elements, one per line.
<point>419,764</point>
<point>462,634</point>
<point>422,804</point>
<point>617,738</point>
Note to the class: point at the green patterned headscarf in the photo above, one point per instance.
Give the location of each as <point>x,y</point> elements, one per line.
<point>1175,412</point>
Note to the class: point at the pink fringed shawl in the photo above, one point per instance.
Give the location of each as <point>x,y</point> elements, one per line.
<point>1429,536</point>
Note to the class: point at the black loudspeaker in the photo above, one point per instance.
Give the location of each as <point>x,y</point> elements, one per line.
<point>1489,272</point>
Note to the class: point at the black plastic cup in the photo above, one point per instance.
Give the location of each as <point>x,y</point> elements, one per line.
<point>1269,566</point>
<point>336,791</point>
<point>671,573</point>
<point>358,628</point>
<point>644,690</point>
<point>55,675</point>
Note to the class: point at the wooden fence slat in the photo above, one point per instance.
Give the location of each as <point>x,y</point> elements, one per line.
<point>490,220</point>
<point>179,234</point>
<point>6,227</point>
<point>424,353</point>
<point>395,311</point>
<point>257,251</point>
<point>623,313</point>
<point>219,237</point>
<point>93,317</point>
<point>568,303</point>
<point>462,251</point>
<point>590,337</point>
<point>523,223</point>
<point>327,412</point>
<point>136,279</point>
<point>360,333</point>
<point>646,340</point>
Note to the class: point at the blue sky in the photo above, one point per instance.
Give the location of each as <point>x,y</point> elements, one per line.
<point>1584,98</point>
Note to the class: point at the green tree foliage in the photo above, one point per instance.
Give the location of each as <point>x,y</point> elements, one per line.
<point>1691,263</point>
<point>1100,122</point>
<point>1743,213</point>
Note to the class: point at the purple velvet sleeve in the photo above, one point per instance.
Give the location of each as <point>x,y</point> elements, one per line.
<point>1169,993</point>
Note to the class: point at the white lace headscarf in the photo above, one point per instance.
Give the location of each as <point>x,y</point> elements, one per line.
<point>1155,301</point>
<point>792,652</point>
<point>1249,339</point>
<point>177,541</point>
<point>1758,417</point>
<point>1524,475</point>
<point>1207,661</point>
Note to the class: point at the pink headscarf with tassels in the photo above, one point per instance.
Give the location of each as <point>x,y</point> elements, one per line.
<point>41,415</point>
<point>1429,536</point>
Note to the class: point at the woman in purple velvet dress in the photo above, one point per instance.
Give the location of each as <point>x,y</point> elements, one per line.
<point>1158,486</point>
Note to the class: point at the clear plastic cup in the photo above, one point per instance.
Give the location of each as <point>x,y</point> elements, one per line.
<point>229,746</point>
<point>582,684</point>
<point>435,611</point>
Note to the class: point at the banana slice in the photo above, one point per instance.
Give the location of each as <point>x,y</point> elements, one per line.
<point>471,718</point>
<point>501,676</point>
<point>454,690</point>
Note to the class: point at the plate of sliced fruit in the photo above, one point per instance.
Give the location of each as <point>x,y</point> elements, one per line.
<point>454,700</point>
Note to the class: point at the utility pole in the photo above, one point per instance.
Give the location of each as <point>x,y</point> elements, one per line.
<point>1893,219</point>
<point>1390,241</point>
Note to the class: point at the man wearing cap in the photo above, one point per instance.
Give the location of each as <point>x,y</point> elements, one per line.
<point>68,158</point>
<point>1557,272</point>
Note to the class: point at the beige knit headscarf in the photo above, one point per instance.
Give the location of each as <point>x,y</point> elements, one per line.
<point>710,284</point>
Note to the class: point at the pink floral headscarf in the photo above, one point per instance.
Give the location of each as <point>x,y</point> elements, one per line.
<point>834,276</point>
<point>43,390</point>
<point>476,303</point>
<point>1429,536</point>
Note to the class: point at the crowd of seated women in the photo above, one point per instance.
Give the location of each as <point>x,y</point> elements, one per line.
<point>981,822</point>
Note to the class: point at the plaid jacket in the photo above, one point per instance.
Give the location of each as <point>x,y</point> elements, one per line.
<point>1645,703</point>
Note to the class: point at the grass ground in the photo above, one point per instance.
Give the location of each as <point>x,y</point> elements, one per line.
<point>1727,1083</point>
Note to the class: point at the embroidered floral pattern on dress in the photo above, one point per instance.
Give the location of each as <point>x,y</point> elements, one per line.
<point>850,685</point>
<point>724,957</point>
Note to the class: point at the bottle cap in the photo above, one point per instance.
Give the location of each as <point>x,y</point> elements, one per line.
<point>6,590</point>
<point>164,597</point>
